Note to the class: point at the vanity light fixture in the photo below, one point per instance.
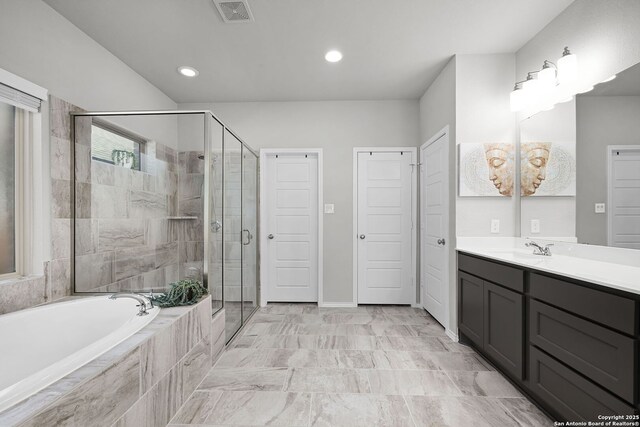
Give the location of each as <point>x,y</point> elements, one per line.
<point>554,83</point>
<point>333,56</point>
<point>188,71</point>
<point>609,79</point>
<point>567,67</point>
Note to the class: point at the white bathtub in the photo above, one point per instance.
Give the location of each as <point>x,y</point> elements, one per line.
<point>38,346</point>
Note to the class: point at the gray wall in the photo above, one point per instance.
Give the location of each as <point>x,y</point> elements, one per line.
<point>437,110</point>
<point>601,121</point>
<point>336,127</point>
<point>604,35</point>
<point>38,44</point>
<point>483,115</point>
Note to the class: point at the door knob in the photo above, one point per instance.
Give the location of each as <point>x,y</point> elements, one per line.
<point>270,236</point>
<point>362,236</point>
<point>441,242</point>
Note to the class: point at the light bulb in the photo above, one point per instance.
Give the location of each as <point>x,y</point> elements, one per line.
<point>188,71</point>
<point>517,99</point>
<point>333,56</point>
<point>567,68</point>
<point>547,76</point>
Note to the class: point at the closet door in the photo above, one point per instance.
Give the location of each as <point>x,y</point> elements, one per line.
<point>384,228</point>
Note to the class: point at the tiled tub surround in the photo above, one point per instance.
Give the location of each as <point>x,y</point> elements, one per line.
<point>24,292</point>
<point>142,381</point>
<point>43,344</point>
<point>300,365</point>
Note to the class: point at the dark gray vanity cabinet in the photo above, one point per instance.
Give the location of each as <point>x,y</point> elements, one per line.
<point>491,314</point>
<point>471,311</point>
<point>573,347</point>
<point>503,328</point>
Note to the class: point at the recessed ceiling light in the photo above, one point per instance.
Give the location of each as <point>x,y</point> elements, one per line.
<point>333,56</point>
<point>188,71</point>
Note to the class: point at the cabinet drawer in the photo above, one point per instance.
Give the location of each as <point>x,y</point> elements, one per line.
<point>503,328</point>
<point>568,394</point>
<point>602,307</point>
<point>503,275</point>
<point>604,356</point>
<point>470,313</point>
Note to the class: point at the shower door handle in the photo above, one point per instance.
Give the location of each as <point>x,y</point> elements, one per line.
<point>249,236</point>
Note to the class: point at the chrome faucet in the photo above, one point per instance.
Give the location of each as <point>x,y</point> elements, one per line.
<point>538,249</point>
<point>145,303</point>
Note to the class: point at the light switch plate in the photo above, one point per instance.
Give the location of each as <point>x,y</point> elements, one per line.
<point>535,226</point>
<point>600,208</point>
<point>329,208</point>
<point>495,226</point>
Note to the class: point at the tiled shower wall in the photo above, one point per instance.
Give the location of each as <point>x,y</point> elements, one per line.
<point>125,239</point>
<point>232,226</point>
<point>190,204</point>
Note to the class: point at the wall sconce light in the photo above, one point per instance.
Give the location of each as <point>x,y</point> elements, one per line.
<point>550,85</point>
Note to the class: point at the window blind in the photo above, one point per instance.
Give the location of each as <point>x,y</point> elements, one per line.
<point>19,99</point>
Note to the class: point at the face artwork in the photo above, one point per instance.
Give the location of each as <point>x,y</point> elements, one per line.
<point>533,166</point>
<point>500,162</point>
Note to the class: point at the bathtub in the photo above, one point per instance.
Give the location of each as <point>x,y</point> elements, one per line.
<point>43,344</point>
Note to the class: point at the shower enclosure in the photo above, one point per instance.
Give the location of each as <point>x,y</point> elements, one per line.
<point>156,194</point>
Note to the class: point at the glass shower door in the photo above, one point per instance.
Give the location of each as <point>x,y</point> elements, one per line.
<point>249,232</point>
<point>216,132</point>
<point>232,233</point>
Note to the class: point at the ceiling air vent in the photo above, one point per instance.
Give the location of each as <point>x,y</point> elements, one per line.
<point>234,12</point>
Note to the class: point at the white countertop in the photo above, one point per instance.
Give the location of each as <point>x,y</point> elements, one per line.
<point>610,267</point>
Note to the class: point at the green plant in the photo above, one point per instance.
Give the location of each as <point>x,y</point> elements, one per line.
<point>182,292</point>
<point>124,157</point>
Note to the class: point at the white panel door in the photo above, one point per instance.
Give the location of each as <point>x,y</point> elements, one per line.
<point>624,206</point>
<point>384,243</point>
<point>434,215</point>
<point>292,227</point>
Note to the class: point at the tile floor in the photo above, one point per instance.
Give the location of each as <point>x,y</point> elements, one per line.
<point>298,365</point>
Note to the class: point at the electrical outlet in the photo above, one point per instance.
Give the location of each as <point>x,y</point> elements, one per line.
<point>495,226</point>
<point>600,208</point>
<point>535,226</point>
<point>329,208</point>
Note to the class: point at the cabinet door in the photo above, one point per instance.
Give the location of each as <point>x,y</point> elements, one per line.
<point>504,328</point>
<point>471,307</point>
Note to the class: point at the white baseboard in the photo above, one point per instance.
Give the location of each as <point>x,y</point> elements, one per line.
<point>416,305</point>
<point>337,304</point>
<point>451,335</point>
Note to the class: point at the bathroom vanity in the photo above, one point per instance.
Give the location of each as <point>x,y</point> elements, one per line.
<point>557,327</point>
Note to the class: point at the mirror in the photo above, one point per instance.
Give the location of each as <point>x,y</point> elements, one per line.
<point>580,167</point>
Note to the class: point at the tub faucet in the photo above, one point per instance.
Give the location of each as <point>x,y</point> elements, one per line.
<point>538,249</point>
<point>145,303</point>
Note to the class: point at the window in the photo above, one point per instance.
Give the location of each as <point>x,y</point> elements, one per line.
<point>115,146</point>
<point>8,182</point>
<point>23,200</point>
